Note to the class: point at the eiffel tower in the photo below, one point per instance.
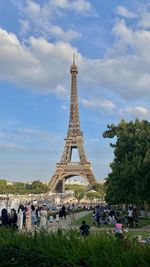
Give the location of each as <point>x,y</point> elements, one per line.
<point>66,168</point>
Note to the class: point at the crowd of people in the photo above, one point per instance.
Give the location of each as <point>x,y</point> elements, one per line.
<point>26,217</point>
<point>105,215</point>
<point>30,216</point>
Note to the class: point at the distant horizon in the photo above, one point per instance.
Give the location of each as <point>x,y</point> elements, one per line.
<point>75,178</point>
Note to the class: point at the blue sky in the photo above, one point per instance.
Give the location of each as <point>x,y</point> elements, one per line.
<point>111,40</point>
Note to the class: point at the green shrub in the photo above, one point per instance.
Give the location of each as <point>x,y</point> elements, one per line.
<point>69,249</point>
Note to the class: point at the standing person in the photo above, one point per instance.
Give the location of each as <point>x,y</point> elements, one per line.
<point>28,218</point>
<point>12,221</point>
<point>72,213</point>
<point>135,217</point>
<point>20,219</point>
<point>4,216</point>
<point>94,218</point>
<point>64,211</point>
<point>98,214</point>
<point>43,217</point>
<point>33,216</point>
<point>130,217</point>
<point>38,215</point>
<point>60,213</point>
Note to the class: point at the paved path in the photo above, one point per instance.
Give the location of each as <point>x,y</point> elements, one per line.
<point>67,224</point>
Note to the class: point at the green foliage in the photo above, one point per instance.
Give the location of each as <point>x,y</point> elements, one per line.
<point>22,188</point>
<point>93,195</point>
<point>129,180</point>
<point>3,182</point>
<point>74,187</point>
<point>79,194</point>
<point>68,248</point>
<point>99,187</point>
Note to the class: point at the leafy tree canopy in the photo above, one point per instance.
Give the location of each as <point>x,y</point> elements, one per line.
<point>129,180</point>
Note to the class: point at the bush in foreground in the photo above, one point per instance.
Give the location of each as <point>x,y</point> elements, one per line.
<point>69,249</point>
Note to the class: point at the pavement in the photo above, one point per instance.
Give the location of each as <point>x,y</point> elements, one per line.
<point>67,223</point>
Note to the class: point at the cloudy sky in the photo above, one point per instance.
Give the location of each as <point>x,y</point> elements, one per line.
<point>111,40</point>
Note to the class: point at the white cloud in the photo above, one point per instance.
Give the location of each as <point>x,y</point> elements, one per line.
<point>61,91</point>
<point>97,103</point>
<point>137,111</point>
<point>25,26</point>
<point>40,18</point>
<point>145,20</point>
<point>27,138</point>
<point>125,70</point>
<point>84,7</point>
<point>62,35</point>
<point>43,66</point>
<point>122,11</point>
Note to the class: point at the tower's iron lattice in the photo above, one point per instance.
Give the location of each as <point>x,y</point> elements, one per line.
<point>66,168</point>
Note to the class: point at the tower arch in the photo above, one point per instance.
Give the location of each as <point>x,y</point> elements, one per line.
<point>74,140</point>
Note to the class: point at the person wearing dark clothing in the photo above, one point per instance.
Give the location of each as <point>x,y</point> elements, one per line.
<point>12,221</point>
<point>84,228</point>
<point>60,213</point>
<point>4,216</point>
<point>135,217</point>
<point>64,211</point>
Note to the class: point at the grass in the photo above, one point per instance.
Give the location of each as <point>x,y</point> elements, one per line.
<point>68,248</point>
<point>87,218</point>
<point>133,234</point>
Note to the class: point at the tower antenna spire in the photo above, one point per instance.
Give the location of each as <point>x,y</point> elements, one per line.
<point>74,57</point>
<point>66,167</point>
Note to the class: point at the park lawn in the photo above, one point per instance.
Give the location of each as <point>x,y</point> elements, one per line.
<point>143,222</point>
<point>132,234</point>
<point>88,218</point>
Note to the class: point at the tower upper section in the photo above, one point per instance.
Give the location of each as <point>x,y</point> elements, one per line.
<point>74,121</point>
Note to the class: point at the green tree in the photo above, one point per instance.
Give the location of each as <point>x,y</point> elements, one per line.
<point>129,180</point>
<point>39,187</point>
<point>3,182</point>
<point>79,194</point>
<point>3,186</point>
<point>100,188</point>
<point>93,195</point>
